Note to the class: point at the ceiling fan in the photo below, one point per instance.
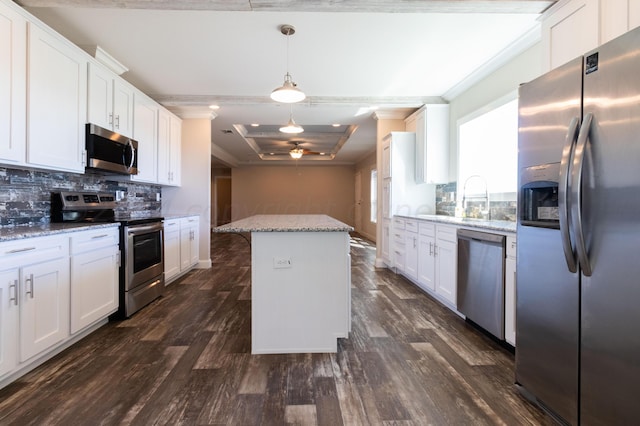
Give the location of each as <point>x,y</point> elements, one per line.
<point>297,151</point>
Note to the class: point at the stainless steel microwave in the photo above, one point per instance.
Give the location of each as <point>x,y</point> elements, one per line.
<point>110,152</point>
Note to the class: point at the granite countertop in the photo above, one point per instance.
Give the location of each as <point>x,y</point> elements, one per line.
<point>493,225</point>
<point>285,223</point>
<point>32,231</point>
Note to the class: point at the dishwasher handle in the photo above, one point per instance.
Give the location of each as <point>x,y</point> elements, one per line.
<point>467,234</point>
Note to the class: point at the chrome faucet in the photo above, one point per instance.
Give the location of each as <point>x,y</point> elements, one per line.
<point>476,196</point>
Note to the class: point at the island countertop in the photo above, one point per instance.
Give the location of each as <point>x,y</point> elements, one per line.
<point>285,223</point>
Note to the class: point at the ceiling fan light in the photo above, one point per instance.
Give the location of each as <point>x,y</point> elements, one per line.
<point>288,93</point>
<point>296,153</point>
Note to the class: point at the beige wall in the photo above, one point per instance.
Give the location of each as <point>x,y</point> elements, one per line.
<point>293,190</point>
<point>368,228</point>
<point>194,196</point>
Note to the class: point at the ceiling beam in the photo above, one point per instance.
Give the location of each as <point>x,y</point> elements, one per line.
<point>379,6</point>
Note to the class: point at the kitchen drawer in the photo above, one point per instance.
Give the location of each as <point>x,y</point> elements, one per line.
<point>447,233</point>
<point>398,223</point>
<point>171,225</point>
<point>427,228</point>
<point>511,246</point>
<point>411,226</point>
<point>398,237</point>
<point>84,241</point>
<point>32,250</point>
<point>189,221</point>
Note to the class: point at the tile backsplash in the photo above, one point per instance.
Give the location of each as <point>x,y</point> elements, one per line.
<point>26,194</point>
<point>502,205</point>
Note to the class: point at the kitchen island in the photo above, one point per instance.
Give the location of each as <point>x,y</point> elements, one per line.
<point>300,282</point>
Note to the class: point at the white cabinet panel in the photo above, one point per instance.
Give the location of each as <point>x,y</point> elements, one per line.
<point>569,32</point>
<point>431,124</point>
<point>57,99</point>
<point>110,100</point>
<point>94,286</point>
<point>510,292</point>
<point>145,132</point>
<point>446,270</point>
<point>171,249</point>
<point>13,86</point>
<point>44,306</point>
<point>169,148</point>
<point>9,309</point>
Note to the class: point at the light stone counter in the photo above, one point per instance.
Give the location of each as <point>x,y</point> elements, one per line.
<point>31,231</point>
<point>492,225</point>
<point>286,223</point>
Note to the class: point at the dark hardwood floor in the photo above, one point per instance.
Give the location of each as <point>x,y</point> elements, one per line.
<point>185,360</point>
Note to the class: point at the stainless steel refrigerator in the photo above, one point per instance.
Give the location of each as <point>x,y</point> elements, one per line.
<point>578,254</point>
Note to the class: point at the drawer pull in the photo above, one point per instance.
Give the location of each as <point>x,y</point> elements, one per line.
<point>20,250</point>
<point>95,237</point>
<point>15,292</point>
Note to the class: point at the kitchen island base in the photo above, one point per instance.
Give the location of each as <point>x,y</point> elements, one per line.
<point>301,291</point>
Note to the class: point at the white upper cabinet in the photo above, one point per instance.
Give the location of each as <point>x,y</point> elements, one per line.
<point>111,100</point>
<point>145,131</point>
<point>169,148</point>
<point>431,125</point>
<point>573,27</point>
<point>57,100</point>
<point>13,86</point>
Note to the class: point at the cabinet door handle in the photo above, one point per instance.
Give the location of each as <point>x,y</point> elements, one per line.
<point>430,249</point>
<point>414,242</point>
<point>95,237</point>
<point>15,292</point>
<point>117,121</point>
<point>110,119</point>
<point>30,281</point>
<point>435,250</point>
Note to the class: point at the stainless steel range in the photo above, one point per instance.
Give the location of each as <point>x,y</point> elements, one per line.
<point>141,244</point>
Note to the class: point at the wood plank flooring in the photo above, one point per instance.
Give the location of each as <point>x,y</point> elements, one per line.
<point>185,360</point>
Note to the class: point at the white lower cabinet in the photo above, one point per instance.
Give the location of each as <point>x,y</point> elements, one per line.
<point>47,292</point>
<point>171,249</point>
<point>95,260</point>
<point>437,260</point>
<point>510,292</point>
<point>189,242</point>
<point>181,246</point>
<point>386,242</point>
<point>426,256</point>
<point>398,245</point>
<point>446,259</point>
<point>9,314</point>
<point>44,306</point>
<point>411,249</point>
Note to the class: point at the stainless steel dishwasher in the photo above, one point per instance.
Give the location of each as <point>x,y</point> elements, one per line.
<point>481,258</point>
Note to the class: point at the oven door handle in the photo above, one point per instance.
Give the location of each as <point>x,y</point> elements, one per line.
<point>144,229</point>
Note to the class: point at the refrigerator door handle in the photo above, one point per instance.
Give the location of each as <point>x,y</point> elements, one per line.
<point>576,194</point>
<point>563,194</point>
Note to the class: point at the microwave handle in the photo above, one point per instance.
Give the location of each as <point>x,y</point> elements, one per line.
<point>133,154</point>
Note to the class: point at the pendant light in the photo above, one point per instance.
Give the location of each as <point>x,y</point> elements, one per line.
<point>291,126</point>
<point>288,93</point>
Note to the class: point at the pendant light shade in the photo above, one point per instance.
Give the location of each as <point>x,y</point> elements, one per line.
<point>288,93</point>
<point>291,127</point>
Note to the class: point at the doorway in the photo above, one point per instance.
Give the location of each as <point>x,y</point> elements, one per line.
<point>222,200</point>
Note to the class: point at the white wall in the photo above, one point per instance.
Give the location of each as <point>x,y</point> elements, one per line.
<point>523,68</point>
<point>194,196</point>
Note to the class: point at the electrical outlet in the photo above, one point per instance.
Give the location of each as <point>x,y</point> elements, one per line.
<point>157,196</point>
<point>281,262</point>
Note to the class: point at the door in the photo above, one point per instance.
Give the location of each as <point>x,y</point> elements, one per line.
<point>223,200</point>
<point>547,302</point>
<point>610,349</point>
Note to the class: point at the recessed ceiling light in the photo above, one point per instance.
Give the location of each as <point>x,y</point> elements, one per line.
<point>214,106</point>
<point>322,153</point>
<point>254,125</point>
<point>336,124</point>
